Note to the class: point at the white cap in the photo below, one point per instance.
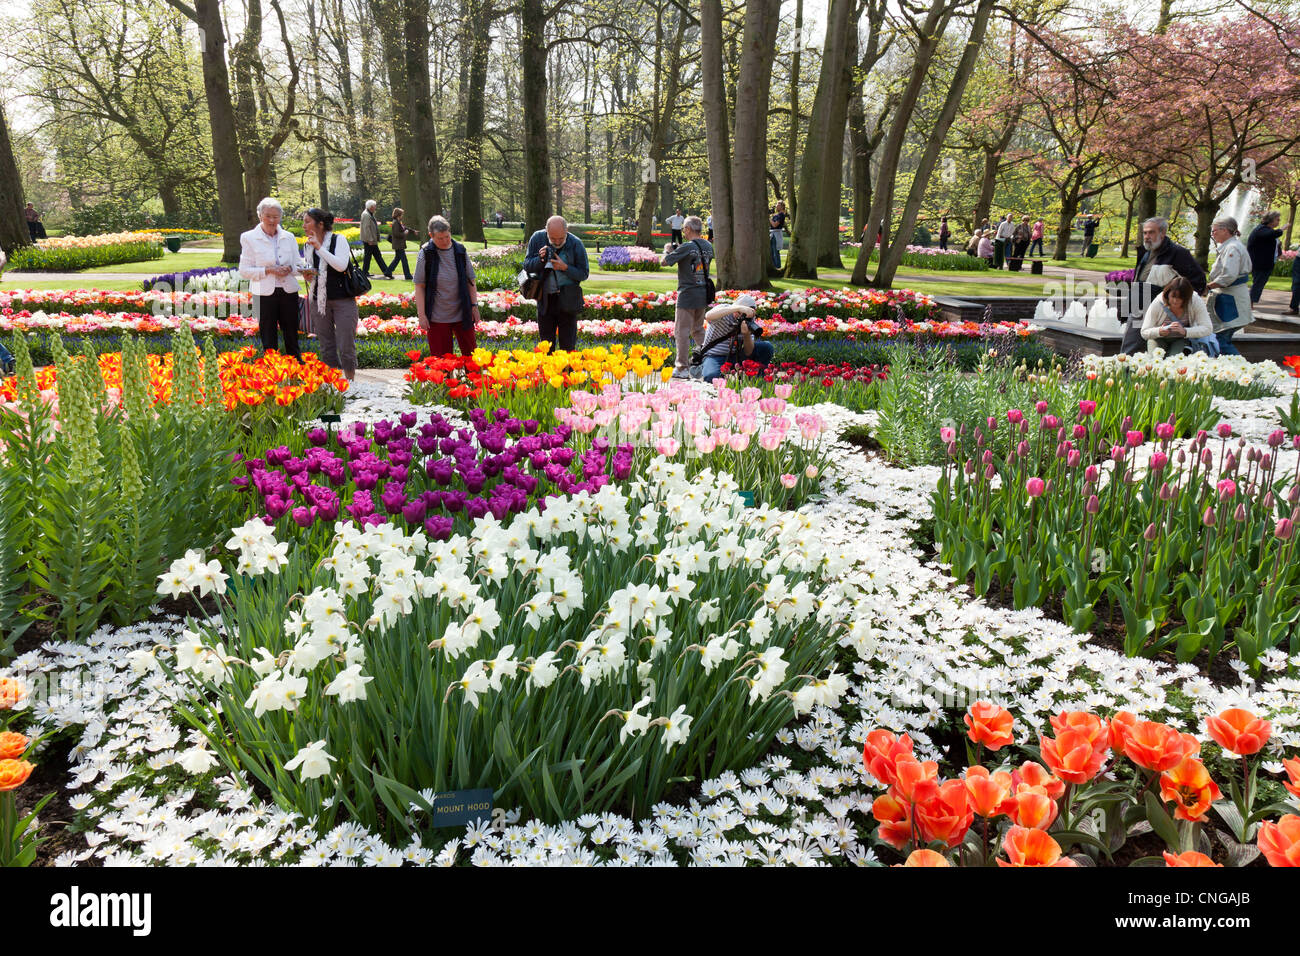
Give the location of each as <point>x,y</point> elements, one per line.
<point>744,303</point>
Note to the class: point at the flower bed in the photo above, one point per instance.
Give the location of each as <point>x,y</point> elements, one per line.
<point>218,278</point>
<point>811,382</point>
<point>431,476</point>
<point>1192,545</point>
<point>71,253</point>
<point>629,259</point>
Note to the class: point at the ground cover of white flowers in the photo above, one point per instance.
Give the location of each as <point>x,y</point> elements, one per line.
<point>910,649</point>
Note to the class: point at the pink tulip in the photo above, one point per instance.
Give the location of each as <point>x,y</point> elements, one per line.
<point>1283,529</point>
<point>989,472</point>
<point>1224,430</point>
<point>810,472</point>
<point>783,390</point>
<point>1150,532</point>
<point>1040,407</point>
<point>1117,453</point>
<point>1166,492</point>
<point>1049,422</point>
<point>1208,519</point>
<point>1080,432</point>
<point>1086,408</point>
<point>769,440</point>
<point>1164,431</point>
<point>789,480</point>
<point>1227,488</point>
<point>1091,474</point>
<point>1158,462</point>
<point>1015,416</point>
<point>1073,458</point>
<point>738,442</point>
<point>947,435</point>
<point>1239,514</point>
<point>1093,506</point>
<point>668,447</point>
<point>704,444</point>
<point>1134,438</point>
<point>1035,487</point>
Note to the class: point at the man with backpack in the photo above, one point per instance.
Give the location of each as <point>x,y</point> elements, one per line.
<point>695,289</point>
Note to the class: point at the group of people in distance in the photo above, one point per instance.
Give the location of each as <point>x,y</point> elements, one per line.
<point>1190,311</point>
<point>446,292</point>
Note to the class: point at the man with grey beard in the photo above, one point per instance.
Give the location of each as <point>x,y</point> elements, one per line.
<point>1160,259</point>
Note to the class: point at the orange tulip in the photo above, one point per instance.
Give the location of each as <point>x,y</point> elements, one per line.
<point>14,773</point>
<point>1292,766</point>
<point>882,751</point>
<point>925,858</point>
<point>1280,842</point>
<point>1073,755</point>
<point>1157,747</point>
<point>1239,731</point>
<point>916,781</point>
<point>1035,775</point>
<point>1090,725</point>
<point>1190,788</point>
<point>11,692</point>
<point>946,814</point>
<point>1189,858</point>
<point>1120,725</point>
<point>989,793</point>
<point>1034,808</point>
<point>1029,847</point>
<point>989,725</point>
<point>12,745</point>
<point>895,821</point>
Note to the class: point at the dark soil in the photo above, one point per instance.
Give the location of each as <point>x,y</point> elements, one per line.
<point>50,776</point>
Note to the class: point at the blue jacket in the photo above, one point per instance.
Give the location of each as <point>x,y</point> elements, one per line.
<point>573,252</point>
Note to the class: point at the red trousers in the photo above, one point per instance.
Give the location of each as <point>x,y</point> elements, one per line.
<point>440,334</point>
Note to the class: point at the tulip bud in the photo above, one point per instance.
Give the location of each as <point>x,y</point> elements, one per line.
<point>1207,457</point>
<point>989,472</point>
<point>1266,461</point>
<point>1127,423</point>
<point>1293,495</point>
<point>987,457</point>
<point>1276,438</point>
<point>1239,514</point>
<point>1182,457</point>
<point>1093,506</point>
<point>1283,529</point>
<point>992,423</point>
<point>1224,430</point>
<point>1091,474</point>
<point>1022,449</point>
<point>1166,492</point>
<point>969,467</point>
<point>979,439</point>
<point>1150,532</point>
<point>1073,458</point>
<point>1024,428</point>
<point>1267,501</point>
<point>1208,519</point>
<point>952,449</point>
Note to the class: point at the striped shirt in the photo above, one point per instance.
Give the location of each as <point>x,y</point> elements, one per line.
<point>721,333</point>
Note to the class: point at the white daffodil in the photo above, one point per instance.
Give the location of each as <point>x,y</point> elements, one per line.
<point>349,684</point>
<point>313,761</point>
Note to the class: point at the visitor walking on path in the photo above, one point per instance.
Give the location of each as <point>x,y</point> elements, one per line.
<point>561,258</point>
<point>1001,239</point>
<point>776,234</point>
<point>675,222</point>
<point>398,233</point>
<point>1089,230</point>
<point>446,296</point>
<point>1262,246</point>
<point>692,258</point>
<point>268,259</point>
<point>1230,305</point>
<point>330,303</point>
<point>1019,243</point>
<point>370,240</point>
<point>944,233</point>
<point>1036,237</point>
<point>1294,308</point>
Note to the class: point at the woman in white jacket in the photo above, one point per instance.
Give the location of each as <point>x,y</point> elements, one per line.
<point>268,259</point>
<point>1230,282</point>
<point>1177,321</point>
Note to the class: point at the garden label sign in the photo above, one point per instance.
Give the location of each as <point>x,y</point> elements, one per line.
<point>458,807</point>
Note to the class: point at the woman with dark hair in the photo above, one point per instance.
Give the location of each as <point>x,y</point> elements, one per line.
<point>333,308</point>
<point>399,232</point>
<point>1178,321</point>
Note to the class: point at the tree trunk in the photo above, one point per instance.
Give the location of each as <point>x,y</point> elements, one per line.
<point>424,142</point>
<point>792,144</point>
<point>472,178</point>
<point>749,158</point>
<point>891,253</point>
<point>13,224</point>
<point>536,144</point>
<point>1292,205</point>
<point>221,117</point>
<point>801,263</point>
<point>828,248</point>
<point>1069,195</point>
<point>717,141</point>
<point>1128,226</point>
<point>245,59</point>
<point>882,202</point>
<point>387,18</point>
<point>664,101</point>
<point>1206,209</point>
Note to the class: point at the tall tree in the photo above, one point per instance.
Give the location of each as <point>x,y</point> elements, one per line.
<point>424,136</point>
<point>13,224</point>
<point>667,83</point>
<point>749,157</point>
<point>824,145</point>
<point>718,141</point>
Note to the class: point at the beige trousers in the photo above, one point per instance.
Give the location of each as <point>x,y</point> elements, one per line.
<point>689,324</point>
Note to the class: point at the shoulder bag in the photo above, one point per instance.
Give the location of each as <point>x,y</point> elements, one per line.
<point>710,290</point>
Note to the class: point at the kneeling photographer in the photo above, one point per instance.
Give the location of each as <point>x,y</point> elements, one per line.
<point>732,338</point>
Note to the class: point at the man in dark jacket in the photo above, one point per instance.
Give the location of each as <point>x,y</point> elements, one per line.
<point>1262,246</point>
<point>562,259</point>
<point>1295,286</point>
<point>446,296</point>
<point>1159,260</point>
